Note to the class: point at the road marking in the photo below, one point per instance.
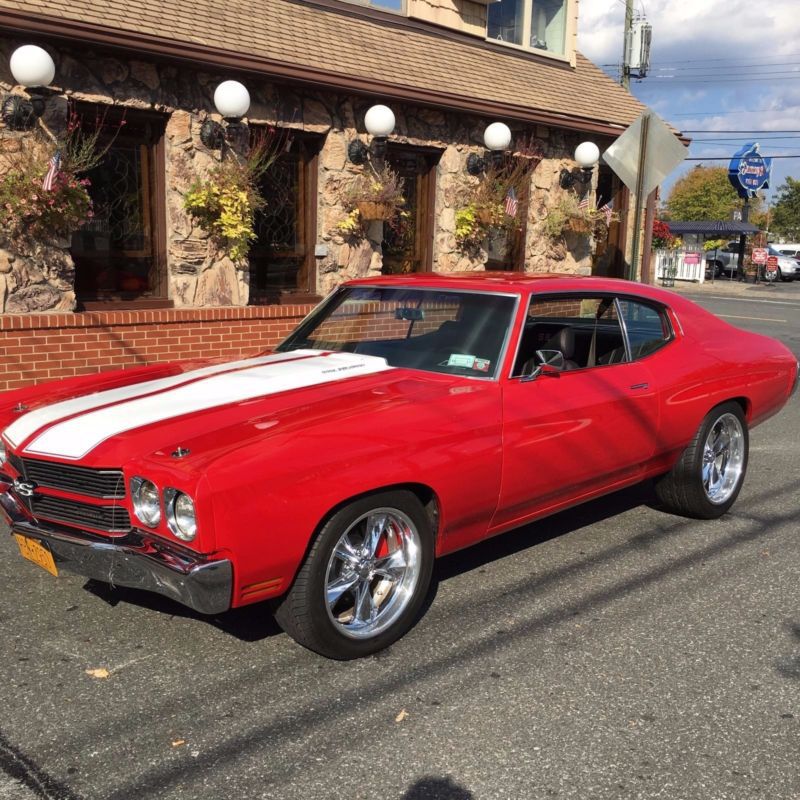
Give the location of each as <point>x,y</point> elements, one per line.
<point>743,299</point>
<point>759,319</point>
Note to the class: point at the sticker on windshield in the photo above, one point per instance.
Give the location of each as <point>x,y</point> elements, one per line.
<point>461,360</point>
<point>481,364</point>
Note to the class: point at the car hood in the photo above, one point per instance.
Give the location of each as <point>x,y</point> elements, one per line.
<point>110,427</point>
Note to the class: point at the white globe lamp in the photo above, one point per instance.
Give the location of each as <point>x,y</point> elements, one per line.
<point>232,99</point>
<point>587,154</point>
<point>379,121</point>
<point>497,136</point>
<point>32,66</point>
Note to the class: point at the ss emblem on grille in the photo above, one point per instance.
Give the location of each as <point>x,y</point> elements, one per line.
<point>24,488</point>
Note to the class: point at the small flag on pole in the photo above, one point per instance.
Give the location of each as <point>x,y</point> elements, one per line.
<point>584,203</point>
<point>608,210</point>
<point>52,171</point>
<point>512,204</point>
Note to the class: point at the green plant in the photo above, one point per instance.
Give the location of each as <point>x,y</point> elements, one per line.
<point>376,193</point>
<point>224,203</point>
<point>484,201</point>
<point>578,216</point>
<point>714,244</point>
<point>46,194</point>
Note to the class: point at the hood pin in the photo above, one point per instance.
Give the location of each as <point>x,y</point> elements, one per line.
<point>181,452</point>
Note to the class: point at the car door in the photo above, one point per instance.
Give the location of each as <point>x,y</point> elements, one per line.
<point>573,432</point>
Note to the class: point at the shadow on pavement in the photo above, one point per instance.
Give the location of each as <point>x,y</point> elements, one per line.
<point>436,789</point>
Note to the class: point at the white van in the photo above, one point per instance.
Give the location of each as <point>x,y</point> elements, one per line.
<point>788,248</point>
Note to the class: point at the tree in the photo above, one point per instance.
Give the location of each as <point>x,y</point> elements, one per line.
<point>786,211</point>
<point>704,193</point>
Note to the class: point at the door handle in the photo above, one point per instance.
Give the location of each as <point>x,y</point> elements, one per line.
<point>640,386</point>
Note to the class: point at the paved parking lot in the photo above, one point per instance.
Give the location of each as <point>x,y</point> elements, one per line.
<point>612,651</point>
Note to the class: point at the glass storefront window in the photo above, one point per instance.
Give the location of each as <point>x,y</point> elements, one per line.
<point>538,24</point>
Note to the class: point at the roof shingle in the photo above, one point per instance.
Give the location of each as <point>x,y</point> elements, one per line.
<point>348,43</point>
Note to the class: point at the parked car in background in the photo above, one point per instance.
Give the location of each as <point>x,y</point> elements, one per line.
<point>405,418</point>
<point>724,261</point>
<point>788,249</point>
<point>788,266</point>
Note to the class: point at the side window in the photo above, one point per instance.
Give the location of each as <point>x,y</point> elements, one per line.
<point>585,330</point>
<point>647,327</point>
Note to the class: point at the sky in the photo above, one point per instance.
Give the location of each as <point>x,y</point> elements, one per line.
<point>716,66</point>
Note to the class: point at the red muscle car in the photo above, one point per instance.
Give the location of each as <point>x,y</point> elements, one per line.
<point>405,418</point>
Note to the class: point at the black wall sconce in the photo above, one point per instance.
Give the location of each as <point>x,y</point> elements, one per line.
<point>33,68</point>
<point>497,138</point>
<point>587,154</point>
<point>232,101</point>
<point>379,122</point>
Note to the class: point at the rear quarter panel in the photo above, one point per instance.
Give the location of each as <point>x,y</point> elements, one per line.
<point>711,362</point>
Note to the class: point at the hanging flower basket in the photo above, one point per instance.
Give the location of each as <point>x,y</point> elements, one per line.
<point>580,225</point>
<point>484,215</point>
<point>375,210</point>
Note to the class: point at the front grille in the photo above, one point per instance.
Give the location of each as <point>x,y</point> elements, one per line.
<point>112,519</point>
<point>107,484</point>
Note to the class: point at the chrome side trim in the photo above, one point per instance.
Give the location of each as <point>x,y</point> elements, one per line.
<point>137,560</point>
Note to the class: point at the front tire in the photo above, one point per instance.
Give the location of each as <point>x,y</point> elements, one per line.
<point>365,577</point>
<point>707,478</point>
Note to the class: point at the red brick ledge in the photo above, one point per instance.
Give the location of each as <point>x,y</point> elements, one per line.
<point>97,319</point>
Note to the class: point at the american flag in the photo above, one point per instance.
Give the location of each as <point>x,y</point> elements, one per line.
<point>52,170</point>
<point>608,210</point>
<point>584,203</point>
<point>512,204</point>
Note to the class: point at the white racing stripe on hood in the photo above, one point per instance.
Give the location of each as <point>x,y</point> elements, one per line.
<point>35,420</point>
<point>74,438</point>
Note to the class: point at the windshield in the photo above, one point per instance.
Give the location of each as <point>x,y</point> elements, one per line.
<point>456,333</point>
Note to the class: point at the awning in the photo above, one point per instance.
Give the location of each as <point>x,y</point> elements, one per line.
<point>725,227</point>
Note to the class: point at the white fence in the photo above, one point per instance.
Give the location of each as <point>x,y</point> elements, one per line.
<point>673,264</point>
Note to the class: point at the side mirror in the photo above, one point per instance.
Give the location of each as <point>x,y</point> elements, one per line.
<point>551,363</point>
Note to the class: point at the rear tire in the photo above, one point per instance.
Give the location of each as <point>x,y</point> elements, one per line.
<point>365,578</point>
<point>707,478</point>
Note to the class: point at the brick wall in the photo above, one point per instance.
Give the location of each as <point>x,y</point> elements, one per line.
<point>40,347</point>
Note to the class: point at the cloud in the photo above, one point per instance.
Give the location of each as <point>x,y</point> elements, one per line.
<point>702,52</point>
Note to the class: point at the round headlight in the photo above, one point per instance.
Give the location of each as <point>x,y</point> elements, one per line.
<point>146,502</point>
<point>183,516</point>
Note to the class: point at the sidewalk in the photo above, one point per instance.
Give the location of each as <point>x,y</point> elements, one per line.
<point>734,287</point>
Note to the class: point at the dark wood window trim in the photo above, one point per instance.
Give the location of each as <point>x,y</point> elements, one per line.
<point>426,219</point>
<point>157,296</point>
<point>306,290</point>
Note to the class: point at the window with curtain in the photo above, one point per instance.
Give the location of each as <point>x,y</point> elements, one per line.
<point>537,24</point>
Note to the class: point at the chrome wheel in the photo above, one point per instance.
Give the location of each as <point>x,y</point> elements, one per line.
<point>372,573</point>
<point>723,458</point>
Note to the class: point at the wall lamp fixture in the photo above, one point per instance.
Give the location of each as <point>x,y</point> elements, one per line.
<point>587,154</point>
<point>497,138</point>
<point>232,101</point>
<point>379,122</point>
<point>32,68</point>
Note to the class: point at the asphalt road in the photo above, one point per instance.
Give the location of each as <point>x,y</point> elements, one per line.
<point>613,651</point>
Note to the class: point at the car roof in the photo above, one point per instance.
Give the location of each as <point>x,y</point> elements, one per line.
<point>518,283</point>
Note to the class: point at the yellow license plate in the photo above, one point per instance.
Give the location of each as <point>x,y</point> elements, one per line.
<point>38,553</point>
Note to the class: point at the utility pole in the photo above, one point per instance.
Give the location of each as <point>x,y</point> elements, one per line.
<point>625,76</point>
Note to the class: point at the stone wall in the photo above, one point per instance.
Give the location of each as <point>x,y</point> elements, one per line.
<point>200,276</point>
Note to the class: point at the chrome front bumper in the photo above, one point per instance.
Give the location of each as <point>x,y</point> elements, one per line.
<point>136,560</point>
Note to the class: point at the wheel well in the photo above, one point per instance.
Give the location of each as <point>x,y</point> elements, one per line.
<point>743,402</point>
<point>423,493</point>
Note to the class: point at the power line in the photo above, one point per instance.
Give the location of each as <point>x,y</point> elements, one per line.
<point>728,158</point>
<point>744,130</point>
<point>732,66</point>
<point>717,60</point>
<point>705,114</point>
